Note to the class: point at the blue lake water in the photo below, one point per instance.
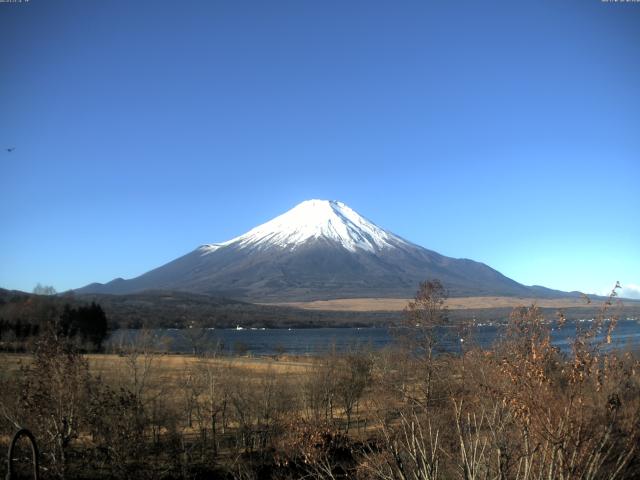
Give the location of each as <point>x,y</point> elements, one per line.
<point>314,341</point>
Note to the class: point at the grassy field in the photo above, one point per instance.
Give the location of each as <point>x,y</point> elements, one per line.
<point>463,303</point>
<point>173,366</point>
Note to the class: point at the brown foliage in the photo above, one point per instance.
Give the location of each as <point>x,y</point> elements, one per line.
<point>521,410</point>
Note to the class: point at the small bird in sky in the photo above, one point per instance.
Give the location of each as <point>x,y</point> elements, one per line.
<point>11,149</point>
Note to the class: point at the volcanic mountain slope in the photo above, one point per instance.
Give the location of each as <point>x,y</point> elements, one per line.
<point>318,250</point>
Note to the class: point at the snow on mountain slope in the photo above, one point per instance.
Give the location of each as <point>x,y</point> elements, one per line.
<point>311,220</point>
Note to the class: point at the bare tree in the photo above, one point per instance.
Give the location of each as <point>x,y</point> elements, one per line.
<point>354,377</point>
<point>412,451</point>
<point>213,396</point>
<point>320,388</point>
<point>195,334</point>
<point>40,289</point>
<point>423,317</point>
<point>139,352</point>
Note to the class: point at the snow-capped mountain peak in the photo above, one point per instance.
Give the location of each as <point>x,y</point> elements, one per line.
<point>315,219</point>
<point>318,250</point>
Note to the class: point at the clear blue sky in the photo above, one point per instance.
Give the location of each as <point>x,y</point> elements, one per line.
<point>506,132</point>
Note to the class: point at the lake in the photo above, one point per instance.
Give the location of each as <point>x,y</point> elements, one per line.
<point>315,341</point>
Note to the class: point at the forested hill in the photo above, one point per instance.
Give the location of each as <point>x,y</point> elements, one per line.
<point>158,309</point>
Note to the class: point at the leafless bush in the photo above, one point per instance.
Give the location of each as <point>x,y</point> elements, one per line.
<point>408,449</point>
<point>54,396</point>
<point>117,421</point>
<point>353,377</point>
<point>314,451</point>
<point>320,389</point>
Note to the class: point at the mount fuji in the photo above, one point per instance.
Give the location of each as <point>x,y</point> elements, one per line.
<point>318,250</point>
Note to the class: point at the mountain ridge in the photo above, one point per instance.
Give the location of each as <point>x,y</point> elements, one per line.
<point>319,249</point>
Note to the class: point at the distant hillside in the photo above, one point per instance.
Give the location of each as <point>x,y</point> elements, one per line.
<point>179,309</point>
<point>158,309</point>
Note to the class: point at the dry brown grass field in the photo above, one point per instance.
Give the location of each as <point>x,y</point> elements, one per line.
<point>172,366</point>
<point>463,303</point>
